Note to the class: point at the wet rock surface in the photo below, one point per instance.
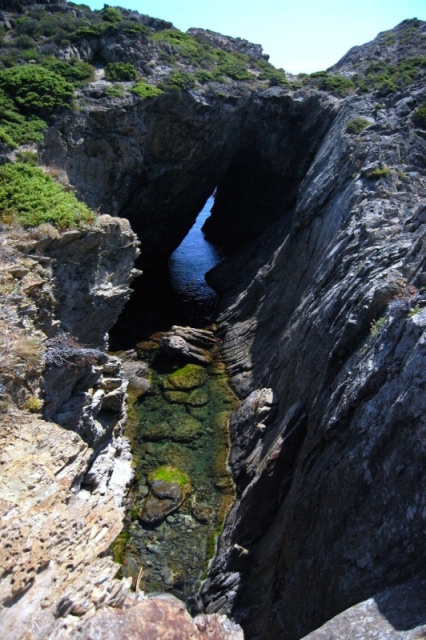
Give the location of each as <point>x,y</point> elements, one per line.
<point>183,487</point>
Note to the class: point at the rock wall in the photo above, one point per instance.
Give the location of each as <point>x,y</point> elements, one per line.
<point>330,505</point>
<point>62,489</point>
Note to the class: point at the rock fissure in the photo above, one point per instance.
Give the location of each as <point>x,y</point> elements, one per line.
<point>321,202</point>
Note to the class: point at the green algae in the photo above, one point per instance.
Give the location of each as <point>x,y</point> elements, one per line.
<point>169,474</point>
<point>189,377</point>
<point>180,423</point>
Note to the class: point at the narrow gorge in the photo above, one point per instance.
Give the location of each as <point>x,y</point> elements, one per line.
<point>318,224</point>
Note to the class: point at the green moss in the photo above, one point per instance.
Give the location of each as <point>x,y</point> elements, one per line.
<point>145,91</point>
<point>119,546</point>
<point>188,377</point>
<point>33,197</point>
<point>357,125</point>
<point>170,474</point>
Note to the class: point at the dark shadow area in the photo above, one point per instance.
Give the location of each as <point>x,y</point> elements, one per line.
<point>177,293</point>
<point>249,200</point>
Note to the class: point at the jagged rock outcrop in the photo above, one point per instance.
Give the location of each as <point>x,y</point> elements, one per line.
<point>62,490</point>
<point>332,317</point>
<point>397,613</point>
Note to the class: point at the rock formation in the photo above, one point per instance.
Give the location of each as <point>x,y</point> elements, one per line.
<point>331,510</point>
<point>321,198</point>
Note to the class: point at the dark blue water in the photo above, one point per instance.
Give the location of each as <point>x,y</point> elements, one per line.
<point>191,260</point>
<point>179,295</point>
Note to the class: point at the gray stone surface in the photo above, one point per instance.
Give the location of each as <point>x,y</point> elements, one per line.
<point>395,614</point>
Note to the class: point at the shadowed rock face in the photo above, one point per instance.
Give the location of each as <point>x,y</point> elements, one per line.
<point>331,315</point>
<point>158,163</point>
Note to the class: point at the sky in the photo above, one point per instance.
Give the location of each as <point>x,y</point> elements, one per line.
<point>298,35</point>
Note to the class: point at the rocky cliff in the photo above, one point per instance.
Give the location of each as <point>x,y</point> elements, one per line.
<point>330,507</point>
<point>321,200</point>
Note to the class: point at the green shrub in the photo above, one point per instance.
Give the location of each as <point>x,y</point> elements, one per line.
<point>144,90</point>
<point>33,198</point>
<point>419,116</point>
<point>132,29</point>
<point>377,173</point>
<point>385,78</point>
<point>36,90</point>
<point>111,14</point>
<point>15,128</point>
<point>75,71</point>
<point>24,41</point>
<point>183,44</point>
<point>277,78</point>
<point>120,72</point>
<point>179,80</point>
<point>209,76</point>
<point>336,85</point>
<point>357,125</point>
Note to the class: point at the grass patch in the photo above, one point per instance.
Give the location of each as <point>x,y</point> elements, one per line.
<point>419,116</point>
<point>31,197</point>
<point>377,173</point>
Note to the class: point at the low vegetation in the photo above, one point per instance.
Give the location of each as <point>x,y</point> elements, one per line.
<point>144,90</point>
<point>120,72</point>
<point>357,125</point>
<point>31,197</point>
<point>36,90</point>
<point>419,116</point>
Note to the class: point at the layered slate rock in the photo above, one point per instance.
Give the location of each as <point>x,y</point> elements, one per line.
<point>331,315</point>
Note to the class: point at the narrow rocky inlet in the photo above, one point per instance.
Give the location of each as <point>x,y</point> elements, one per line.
<point>116,417</point>
<point>178,416</point>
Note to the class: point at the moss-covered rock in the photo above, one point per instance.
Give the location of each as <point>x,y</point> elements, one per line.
<point>186,428</point>
<point>198,398</point>
<point>157,431</point>
<point>170,474</point>
<point>176,397</point>
<point>169,487</point>
<point>189,377</point>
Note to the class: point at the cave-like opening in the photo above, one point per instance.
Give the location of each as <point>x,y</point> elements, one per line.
<point>173,293</point>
